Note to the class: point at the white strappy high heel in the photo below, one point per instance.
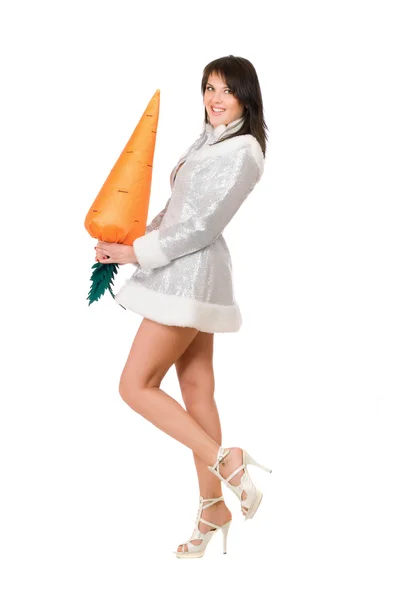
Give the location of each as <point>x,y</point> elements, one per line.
<point>254,495</point>
<point>197,550</point>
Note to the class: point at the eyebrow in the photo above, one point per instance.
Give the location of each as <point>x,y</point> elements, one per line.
<point>226,86</point>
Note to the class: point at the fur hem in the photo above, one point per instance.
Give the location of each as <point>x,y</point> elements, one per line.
<point>178,310</point>
<point>148,251</point>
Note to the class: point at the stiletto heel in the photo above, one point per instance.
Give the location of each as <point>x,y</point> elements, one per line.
<point>252,461</point>
<point>253,495</point>
<point>225,529</point>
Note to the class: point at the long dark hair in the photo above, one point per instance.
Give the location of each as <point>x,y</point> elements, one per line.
<point>241,77</point>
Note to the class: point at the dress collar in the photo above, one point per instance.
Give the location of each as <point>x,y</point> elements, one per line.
<point>218,132</point>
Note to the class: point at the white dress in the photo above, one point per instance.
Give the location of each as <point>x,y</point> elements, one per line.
<point>184,274</point>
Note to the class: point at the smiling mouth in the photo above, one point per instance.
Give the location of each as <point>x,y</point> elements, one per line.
<point>217,112</point>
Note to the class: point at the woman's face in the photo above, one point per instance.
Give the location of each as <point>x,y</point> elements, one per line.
<point>218,95</point>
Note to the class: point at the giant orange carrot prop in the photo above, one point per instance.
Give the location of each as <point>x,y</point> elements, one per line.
<point>119,212</point>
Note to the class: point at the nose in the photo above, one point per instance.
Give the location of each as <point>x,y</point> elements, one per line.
<point>217,98</point>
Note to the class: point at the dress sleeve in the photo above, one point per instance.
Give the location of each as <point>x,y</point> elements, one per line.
<point>218,187</point>
<point>155,223</point>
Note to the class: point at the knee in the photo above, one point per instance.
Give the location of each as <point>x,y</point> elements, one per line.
<point>132,392</point>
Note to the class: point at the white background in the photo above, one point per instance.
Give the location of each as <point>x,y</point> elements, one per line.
<point>94,498</point>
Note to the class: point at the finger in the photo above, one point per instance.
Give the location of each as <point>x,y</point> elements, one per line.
<point>103,258</point>
<point>104,245</point>
<point>102,252</point>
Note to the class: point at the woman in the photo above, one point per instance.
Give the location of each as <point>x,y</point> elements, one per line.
<point>183,287</point>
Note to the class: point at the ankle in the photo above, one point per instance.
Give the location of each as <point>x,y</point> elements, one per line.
<point>232,455</point>
<point>211,496</point>
<point>229,458</point>
<point>230,464</point>
<point>216,508</point>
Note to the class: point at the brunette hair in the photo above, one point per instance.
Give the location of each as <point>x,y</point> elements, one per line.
<point>241,78</point>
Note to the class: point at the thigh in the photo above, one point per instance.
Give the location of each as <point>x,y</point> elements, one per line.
<point>195,366</point>
<point>154,350</point>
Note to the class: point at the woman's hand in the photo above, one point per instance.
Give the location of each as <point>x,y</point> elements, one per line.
<point>122,254</point>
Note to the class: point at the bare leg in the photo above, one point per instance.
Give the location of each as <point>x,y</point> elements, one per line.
<point>155,349</point>
<point>196,378</point>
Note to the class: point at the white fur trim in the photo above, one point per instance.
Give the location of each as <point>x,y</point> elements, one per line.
<point>178,310</point>
<point>223,128</point>
<point>148,251</point>
<point>234,143</point>
<point>219,129</point>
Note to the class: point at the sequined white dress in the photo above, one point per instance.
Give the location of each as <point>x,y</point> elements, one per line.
<point>184,273</point>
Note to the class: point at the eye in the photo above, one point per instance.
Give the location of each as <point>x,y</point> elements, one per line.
<point>210,86</point>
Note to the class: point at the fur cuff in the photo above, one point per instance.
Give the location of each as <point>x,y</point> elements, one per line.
<point>148,251</point>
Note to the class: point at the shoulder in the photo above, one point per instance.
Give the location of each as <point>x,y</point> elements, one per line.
<point>234,147</point>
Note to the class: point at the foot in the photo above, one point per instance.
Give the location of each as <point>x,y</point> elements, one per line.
<point>230,464</point>
<point>218,513</point>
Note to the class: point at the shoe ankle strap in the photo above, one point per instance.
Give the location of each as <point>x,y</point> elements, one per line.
<point>235,472</point>
<point>214,525</point>
<point>211,501</point>
<point>222,453</point>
